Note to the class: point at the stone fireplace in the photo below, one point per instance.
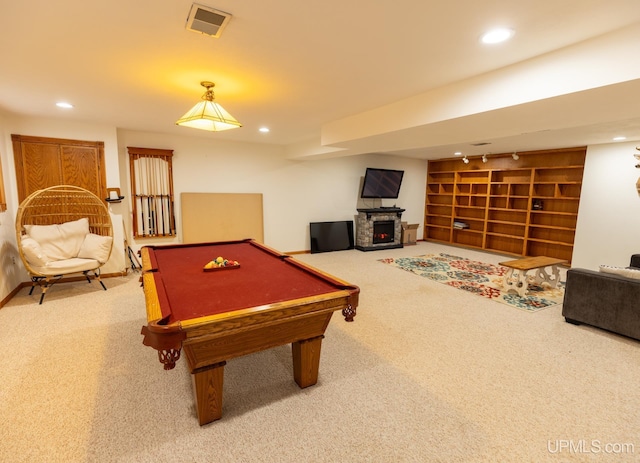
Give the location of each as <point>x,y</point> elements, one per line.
<point>379,228</point>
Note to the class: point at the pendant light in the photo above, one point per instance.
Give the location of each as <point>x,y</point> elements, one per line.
<point>208,115</point>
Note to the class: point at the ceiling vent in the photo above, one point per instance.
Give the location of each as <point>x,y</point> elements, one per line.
<point>482,143</point>
<point>205,20</point>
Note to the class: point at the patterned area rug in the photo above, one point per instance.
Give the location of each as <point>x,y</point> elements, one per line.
<point>478,278</point>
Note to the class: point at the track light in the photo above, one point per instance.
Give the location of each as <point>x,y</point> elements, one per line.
<point>484,158</point>
<point>465,160</point>
<point>515,156</point>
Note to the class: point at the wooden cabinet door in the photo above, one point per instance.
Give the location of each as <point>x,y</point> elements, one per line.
<point>44,162</point>
<point>40,167</point>
<point>80,166</point>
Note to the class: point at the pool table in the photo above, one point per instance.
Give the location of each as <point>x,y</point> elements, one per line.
<point>268,300</point>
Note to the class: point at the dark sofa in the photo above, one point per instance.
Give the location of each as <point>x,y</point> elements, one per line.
<point>604,300</point>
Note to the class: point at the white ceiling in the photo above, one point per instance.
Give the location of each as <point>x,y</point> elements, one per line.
<point>316,71</point>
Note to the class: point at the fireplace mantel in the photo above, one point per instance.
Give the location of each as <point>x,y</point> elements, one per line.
<point>382,210</point>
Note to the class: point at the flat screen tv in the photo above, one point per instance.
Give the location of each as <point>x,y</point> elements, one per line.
<point>381,183</point>
<point>331,236</point>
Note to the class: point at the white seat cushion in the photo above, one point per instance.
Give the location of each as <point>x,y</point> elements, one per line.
<point>64,266</point>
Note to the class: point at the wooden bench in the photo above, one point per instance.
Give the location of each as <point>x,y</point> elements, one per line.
<point>520,284</point>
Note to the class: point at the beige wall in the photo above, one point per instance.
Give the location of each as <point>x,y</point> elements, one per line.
<point>10,274</point>
<point>609,213</point>
<point>294,192</point>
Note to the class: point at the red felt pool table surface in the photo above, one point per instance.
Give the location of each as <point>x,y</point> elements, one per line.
<point>264,277</point>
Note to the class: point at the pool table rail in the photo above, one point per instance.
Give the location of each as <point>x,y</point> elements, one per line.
<point>268,312</point>
<point>281,324</point>
<point>267,320</point>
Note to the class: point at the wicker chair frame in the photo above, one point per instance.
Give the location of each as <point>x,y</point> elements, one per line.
<point>56,205</point>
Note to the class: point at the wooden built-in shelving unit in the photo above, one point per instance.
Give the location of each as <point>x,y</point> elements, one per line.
<point>525,207</point>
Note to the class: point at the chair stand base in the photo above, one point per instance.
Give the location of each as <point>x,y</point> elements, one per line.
<point>46,282</point>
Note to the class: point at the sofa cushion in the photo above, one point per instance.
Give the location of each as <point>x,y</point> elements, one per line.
<point>623,271</point>
<point>33,252</point>
<point>96,247</point>
<point>60,241</point>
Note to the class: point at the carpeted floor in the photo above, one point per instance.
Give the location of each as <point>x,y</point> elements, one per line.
<point>426,373</point>
<point>479,278</point>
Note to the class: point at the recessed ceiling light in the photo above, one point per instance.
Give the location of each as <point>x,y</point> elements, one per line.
<point>264,129</point>
<point>497,35</point>
<point>64,104</point>
<point>457,153</point>
<point>619,138</point>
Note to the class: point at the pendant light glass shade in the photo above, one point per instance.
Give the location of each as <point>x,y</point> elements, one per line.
<point>208,115</point>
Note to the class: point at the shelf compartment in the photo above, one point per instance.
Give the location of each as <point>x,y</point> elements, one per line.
<point>543,218</point>
<point>472,176</point>
<point>557,205</point>
<point>463,188</point>
<point>499,202</point>
<point>462,200</point>
<point>521,204</point>
<point>471,201</point>
<point>569,190</point>
<point>543,248</point>
<point>447,216</point>
<point>480,189</point>
<point>519,189</point>
<point>433,188</point>
<point>501,243</point>
<point>558,174</point>
<point>474,225</point>
<point>557,190</point>
<point>562,235</point>
<point>472,188</point>
<point>478,201</point>
<point>544,189</point>
<point>511,176</point>
<point>507,215</point>
<point>467,238</point>
<point>518,204</point>
<point>441,177</point>
<point>502,228</point>
<point>438,220</point>
<point>499,189</point>
<point>469,212</point>
<point>440,199</point>
<point>437,233</point>
<point>437,209</point>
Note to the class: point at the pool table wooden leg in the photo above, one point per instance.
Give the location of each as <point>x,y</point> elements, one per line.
<point>306,361</point>
<point>207,385</point>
